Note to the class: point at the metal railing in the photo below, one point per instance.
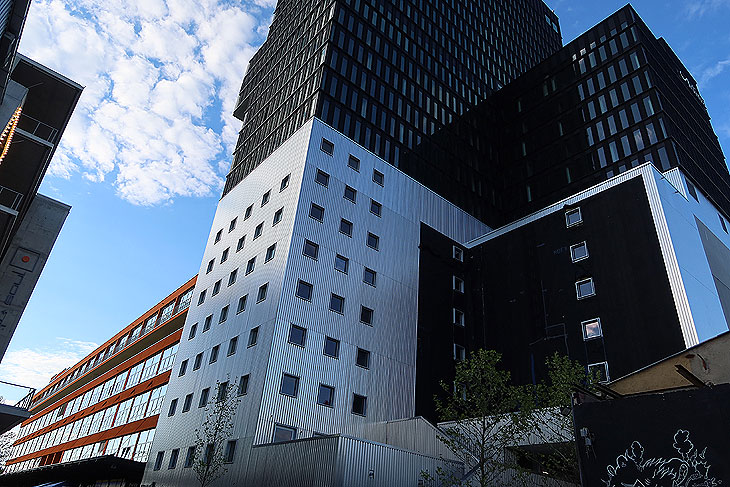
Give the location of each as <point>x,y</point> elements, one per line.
<point>37,128</point>
<point>25,402</point>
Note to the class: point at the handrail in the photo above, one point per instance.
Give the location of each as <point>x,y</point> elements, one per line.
<point>24,403</point>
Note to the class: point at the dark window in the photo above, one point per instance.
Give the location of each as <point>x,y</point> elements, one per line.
<point>253,336</point>
<point>369,276</point>
<point>250,266</point>
<point>189,457</point>
<point>579,252</point>
<point>210,266</point>
<point>216,287</point>
<point>201,297</point>
<point>230,451</point>
<point>600,371</point>
<point>346,227</point>
<point>458,284</point>
<point>310,249</point>
<point>173,459</point>
<point>232,345</point>
<point>327,147</point>
<point>342,263</point>
<point>278,216</point>
<point>183,368</point>
<point>337,303</point>
<point>289,385</point>
<point>316,212</point>
<point>322,178</point>
<point>242,304</point>
<point>373,241</point>
<point>158,460</point>
<point>354,163</point>
<point>224,256</point>
<point>458,254</point>
<point>331,347</point>
<point>198,361</point>
<point>363,358</point>
<point>378,177</point>
<point>173,407</point>
<point>243,385</point>
<point>573,217</point>
<point>214,354</point>
<point>222,392</point>
<point>284,433</point>
<point>592,329</point>
<point>376,208</point>
<point>350,194</point>
<point>359,404</point>
<point>262,292</point>
<point>241,243</point>
<point>232,277</point>
<point>224,315</point>
<point>284,183</point>
<point>218,236</point>
<point>297,335</point>
<point>187,403</point>
<point>326,395</point>
<point>585,288</point>
<point>258,230</point>
<point>232,225</point>
<point>207,323</point>
<point>722,222</point>
<point>304,290</point>
<point>270,252</point>
<point>204,397</point>
<point>248,212</point>
<point>208,455</point>
<point>265,198</point>
<point>366,315</point>
<point>458,317</point>
<point>193,329</point>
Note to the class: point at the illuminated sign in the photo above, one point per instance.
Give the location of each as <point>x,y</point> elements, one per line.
<point>7,136</point>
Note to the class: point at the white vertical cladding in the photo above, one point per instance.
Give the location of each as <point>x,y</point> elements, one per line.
<point>178,431</point>
<point>389,383</point>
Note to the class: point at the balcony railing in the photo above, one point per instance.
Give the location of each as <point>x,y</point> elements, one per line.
<point>37,128</point>
<point>26,401</point>
<point>10,198</point>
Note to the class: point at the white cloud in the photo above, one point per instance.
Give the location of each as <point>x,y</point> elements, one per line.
<point>34,367</point>
<point>713,71</point>
<point>161,79</point>
<point>698,8</point>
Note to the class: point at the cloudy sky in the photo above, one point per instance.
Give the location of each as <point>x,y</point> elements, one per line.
<point>144,158</point>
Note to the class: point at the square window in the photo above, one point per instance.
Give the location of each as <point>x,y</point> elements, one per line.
<point>353,163</point>
<point>210,266</point>
<point>289,385</point>
<point>322,178</point>
<point>304,290</point>
<point>373,241</point>
<point>265,198</point>
<point>224,315</point>
<point>366,315</point>
<point>378,177</point>
<point>243,385</point>
<point>250,266</point>
<point>363,358</point>
<point>198,361</point>
<point>346,227</point>
<point>206,324</point>
<point>376,208</point>
<point>248,212</point>
<point>241,243</point>
<point>592,329</point>
<point>193,330</point>
<point>284,433</point>
<point>331,347</point>
<point>327,147</point>
<point>459,353</point>
<point>187,403</point>
<point>585,288</point>
<point>600,371</point>
<point>579,251</point>
<point>310,249</point>
<point>258,230</point>
<point>342,263</point>
<point>232,277</point>
<point>253,336</point>
<point>232,346</point>
<point>359,404</point>
<point>284,183</point>
<point>189,457</point>
<point>218,236</point>
<point>270,252</point>
<point>350,194</point>
<point>173,407</point>
<point>369,276</point>
<point>458,317</point>
<point>204,397</point>
<point>214,354</point>
<point>297,335</point>
<point>316,212</point>
<point>183,368</point>
<point>458,284</point>
<point>230,452</point>
<point>573,217</point>
<point>262,292</point>
<point>278,216</point>
<point>216,287</point>
<point>458,253</point>
<point>337,303</point>
<point>232,225</point>
<point>201,297</point>
<point>224,257</point>
<point>326,396</point>
<point>242,304</point>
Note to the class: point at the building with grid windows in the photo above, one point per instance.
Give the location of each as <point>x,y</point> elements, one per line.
<point>95,421</point>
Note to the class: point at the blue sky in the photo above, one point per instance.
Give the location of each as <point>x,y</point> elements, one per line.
<point>144,158</point>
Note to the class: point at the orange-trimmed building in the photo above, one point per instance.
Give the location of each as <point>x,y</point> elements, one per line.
<point>95,421</point>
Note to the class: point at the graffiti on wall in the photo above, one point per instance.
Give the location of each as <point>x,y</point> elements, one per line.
<point>687,466</point>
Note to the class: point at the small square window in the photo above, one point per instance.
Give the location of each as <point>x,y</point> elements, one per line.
<point>214,354</point>
<point>304,290</point>
<point>369,276</point>
<point>346,227</point>
<point>232,225</point>
<point>592,329</point>
<point>243,385</point>
<point>173,407</point>
<point>378,177</point>
<point>327,147</point>
<point>322,178</point>
<point>232,277</point>
<point>216,287</point>
<point>297,335</point>
<point>250,266</point>
<point>211,263</point>
<point>284,183</point>
<point>278,216</point>
<point>218,236</point>
<point>204,394</point>
<point>201,297</point>
<point>289,385</point>
<point>353,163</point>
<point>342,263</point>
<point>232,346</point>
<point>376,208</point>
<point>458,316</point>
<point>258,230</point>
<point>459,353</point>
<point>573,217</point>
<point>585,288</point>
<point>241,243</point>
<point>337,304</point>
<point>198,361</point>
<point>224,257</point>
<point>326,396</point>
<point>350,194</point>
<point>265,198</point>
<point>359,404</point>
<point>230,452</point>
<point>189,457</point>
<point>284,433</point>
<point>363,358</point>
<point>253,336</point>
<point>373,241</point>
<point>579,251</point>
<point>600,371</point>
<point>366,315</point>
<point>187,403</point>
<point>193,330</point>
<point>224,315</point>
<point>458,284</point>
<point>316,212</point>
<point>458,253</point>
<point>310,249</point>
<point>206,324</point>
<point>183,368</point>
<point>331,347</point>
<point>270,252</point>
<point>242,304</point>
<point>248,213</point>
<point>262,292</point>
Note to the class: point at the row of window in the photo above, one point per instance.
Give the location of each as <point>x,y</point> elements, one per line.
<point>353,163</point>
<point>261,295</point>
<point>229,453</point>
<point>325,394</point>
<point>316,212</point>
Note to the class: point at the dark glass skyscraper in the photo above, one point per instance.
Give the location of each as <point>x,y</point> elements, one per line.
<point>388,74</point>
